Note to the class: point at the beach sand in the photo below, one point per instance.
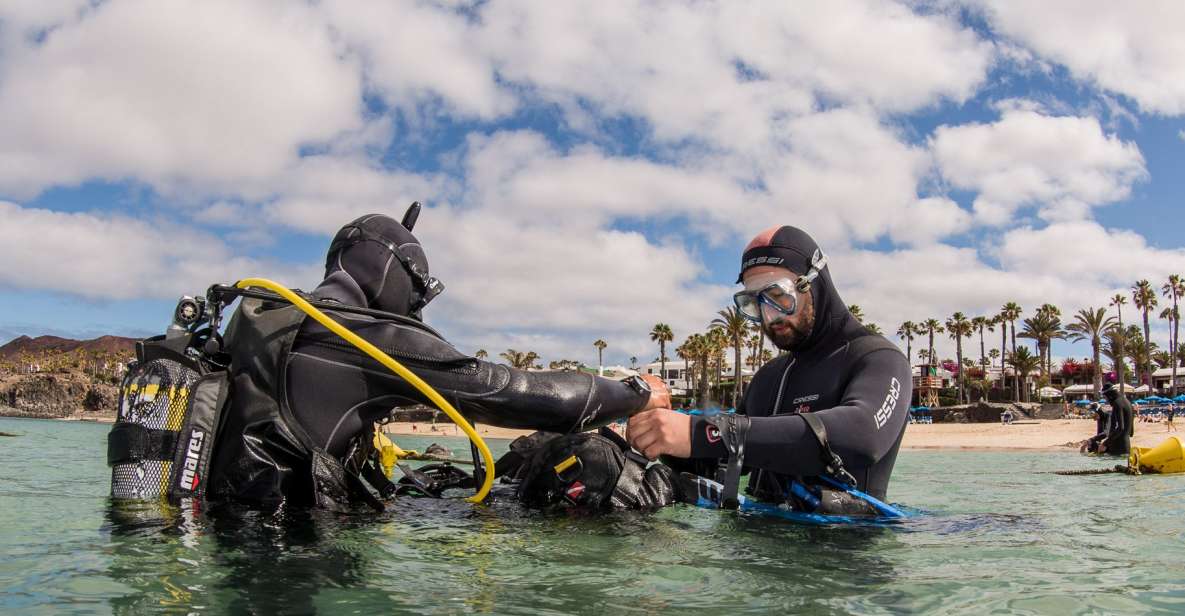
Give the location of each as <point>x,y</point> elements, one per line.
<point>1049,435</point>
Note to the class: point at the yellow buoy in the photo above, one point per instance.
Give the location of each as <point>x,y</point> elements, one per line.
<point>1167,457</point>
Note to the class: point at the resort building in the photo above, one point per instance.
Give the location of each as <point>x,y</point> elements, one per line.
<point>1162,379</point>
<point>678,380</point>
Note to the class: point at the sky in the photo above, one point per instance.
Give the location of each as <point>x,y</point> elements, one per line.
<point>589,169</point>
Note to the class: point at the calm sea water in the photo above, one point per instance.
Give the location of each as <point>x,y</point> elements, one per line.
<point>999,536</point>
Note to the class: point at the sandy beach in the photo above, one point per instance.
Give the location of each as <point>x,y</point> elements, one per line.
<point>1049,435</point>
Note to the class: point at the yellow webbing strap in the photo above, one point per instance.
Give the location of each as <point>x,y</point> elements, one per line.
<point>393,366</point>
<point>563,466</point>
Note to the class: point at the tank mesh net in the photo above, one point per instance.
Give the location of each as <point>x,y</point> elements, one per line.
<point>155,395</point>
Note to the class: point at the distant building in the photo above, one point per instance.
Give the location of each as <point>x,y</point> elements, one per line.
<point>677,378</point>
<point>1162,379</point>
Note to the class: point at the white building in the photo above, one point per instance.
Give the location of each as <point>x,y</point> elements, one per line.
<point>677,378</point>
<point>1161,378</point>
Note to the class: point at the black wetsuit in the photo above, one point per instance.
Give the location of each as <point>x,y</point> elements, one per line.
<point>335,391</point>
<point>858,383</point>
<point>299,394</point>
<point>1120,429</point>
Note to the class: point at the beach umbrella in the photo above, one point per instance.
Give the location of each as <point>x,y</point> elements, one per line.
<point>1180,398</point>
<point>1082,402</point>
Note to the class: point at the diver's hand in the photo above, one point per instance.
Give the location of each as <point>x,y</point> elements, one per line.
<point>660,431</point>
<point>660,394</point>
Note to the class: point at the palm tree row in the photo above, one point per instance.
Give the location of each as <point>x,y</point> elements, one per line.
<point>1108,336</point>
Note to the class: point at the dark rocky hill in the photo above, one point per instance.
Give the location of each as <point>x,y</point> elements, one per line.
<point>116,345</point>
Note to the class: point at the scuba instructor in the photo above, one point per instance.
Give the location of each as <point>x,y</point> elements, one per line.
<point>834,406</point>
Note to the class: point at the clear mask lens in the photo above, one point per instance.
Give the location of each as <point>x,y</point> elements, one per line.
<point>779,295</point>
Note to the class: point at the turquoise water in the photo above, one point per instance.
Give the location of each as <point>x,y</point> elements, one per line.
<point>1000,537</point>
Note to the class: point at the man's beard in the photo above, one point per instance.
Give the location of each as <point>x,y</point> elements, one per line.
<point>797,332</point>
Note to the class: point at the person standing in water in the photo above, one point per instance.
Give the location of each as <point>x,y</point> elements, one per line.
<point>1121,428</point>
<point>835,404</point>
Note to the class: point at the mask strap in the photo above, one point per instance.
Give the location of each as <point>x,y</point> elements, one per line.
<point>818,262</point>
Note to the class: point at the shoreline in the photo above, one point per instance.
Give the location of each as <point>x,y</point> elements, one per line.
<point>1054,435</point>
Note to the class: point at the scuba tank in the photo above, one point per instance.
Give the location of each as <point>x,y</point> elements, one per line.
<point>170,405</point>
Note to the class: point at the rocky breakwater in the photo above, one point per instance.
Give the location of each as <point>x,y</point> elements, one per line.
<point>62,395</point>
<point>982,412</point>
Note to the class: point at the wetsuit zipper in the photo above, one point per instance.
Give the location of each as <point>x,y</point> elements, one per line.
<point>782,386</point>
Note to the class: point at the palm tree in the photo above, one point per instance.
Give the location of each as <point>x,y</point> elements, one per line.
<point>1044,327</point>
<point>1010,312</point>
<point>959,328</point>
<point>1173,289</point>
<point>1116,339</point>
<point>1162,358</point>
<point>662,335</point>
<point>600,344</point>
<point>760,344</point>
<point>1144,298</point>
<point>481,354</point>
<point>717,342</point>
<point>701,349</point>
<point>519,359</point>
<point>1024,362</point>
<point>1118,300</point>
<point>931,326</point>
<point>874,328</point>
<point>857,313</point>
<point>1136,347</point>
<point>982,323</point>
<point>683,353</point>
<point>906,332</point>
<point>735,325</point>
<point>1090,324</point>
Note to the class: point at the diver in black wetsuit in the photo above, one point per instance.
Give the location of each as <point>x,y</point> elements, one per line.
<point>835,405</point>
<point>1120,428</point>
<point>1102,420</point>
<point>300,398</point>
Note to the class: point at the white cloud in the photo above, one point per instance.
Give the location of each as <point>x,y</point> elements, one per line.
<point>928,220</point>
<point>1072,265</point>
<point>1133,49</point>
<point>212,95</point>
<point>844,177</point>
<point>105,256</point>
<point>414,52</point>
<point>1062,165</point>
<point>565,283</point>
<point>731,74</point>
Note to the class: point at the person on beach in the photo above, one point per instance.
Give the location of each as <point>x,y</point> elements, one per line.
<point>1168,417</point>
<point>301,400</point>
<point>835,404</point>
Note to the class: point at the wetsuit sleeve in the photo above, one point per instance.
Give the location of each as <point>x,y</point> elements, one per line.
<point>861,429</point>
<point>335,390</point>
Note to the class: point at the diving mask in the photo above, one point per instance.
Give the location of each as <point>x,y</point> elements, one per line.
<point>780,295</point>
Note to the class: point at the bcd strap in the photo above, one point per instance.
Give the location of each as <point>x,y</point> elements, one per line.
<point>831,461</point>
<point>734,430</point>
<point>129,442</point>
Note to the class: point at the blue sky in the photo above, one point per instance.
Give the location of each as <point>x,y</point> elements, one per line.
<point>587,171</point>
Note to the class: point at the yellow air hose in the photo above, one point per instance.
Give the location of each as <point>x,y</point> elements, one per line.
<point>393,366</point>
